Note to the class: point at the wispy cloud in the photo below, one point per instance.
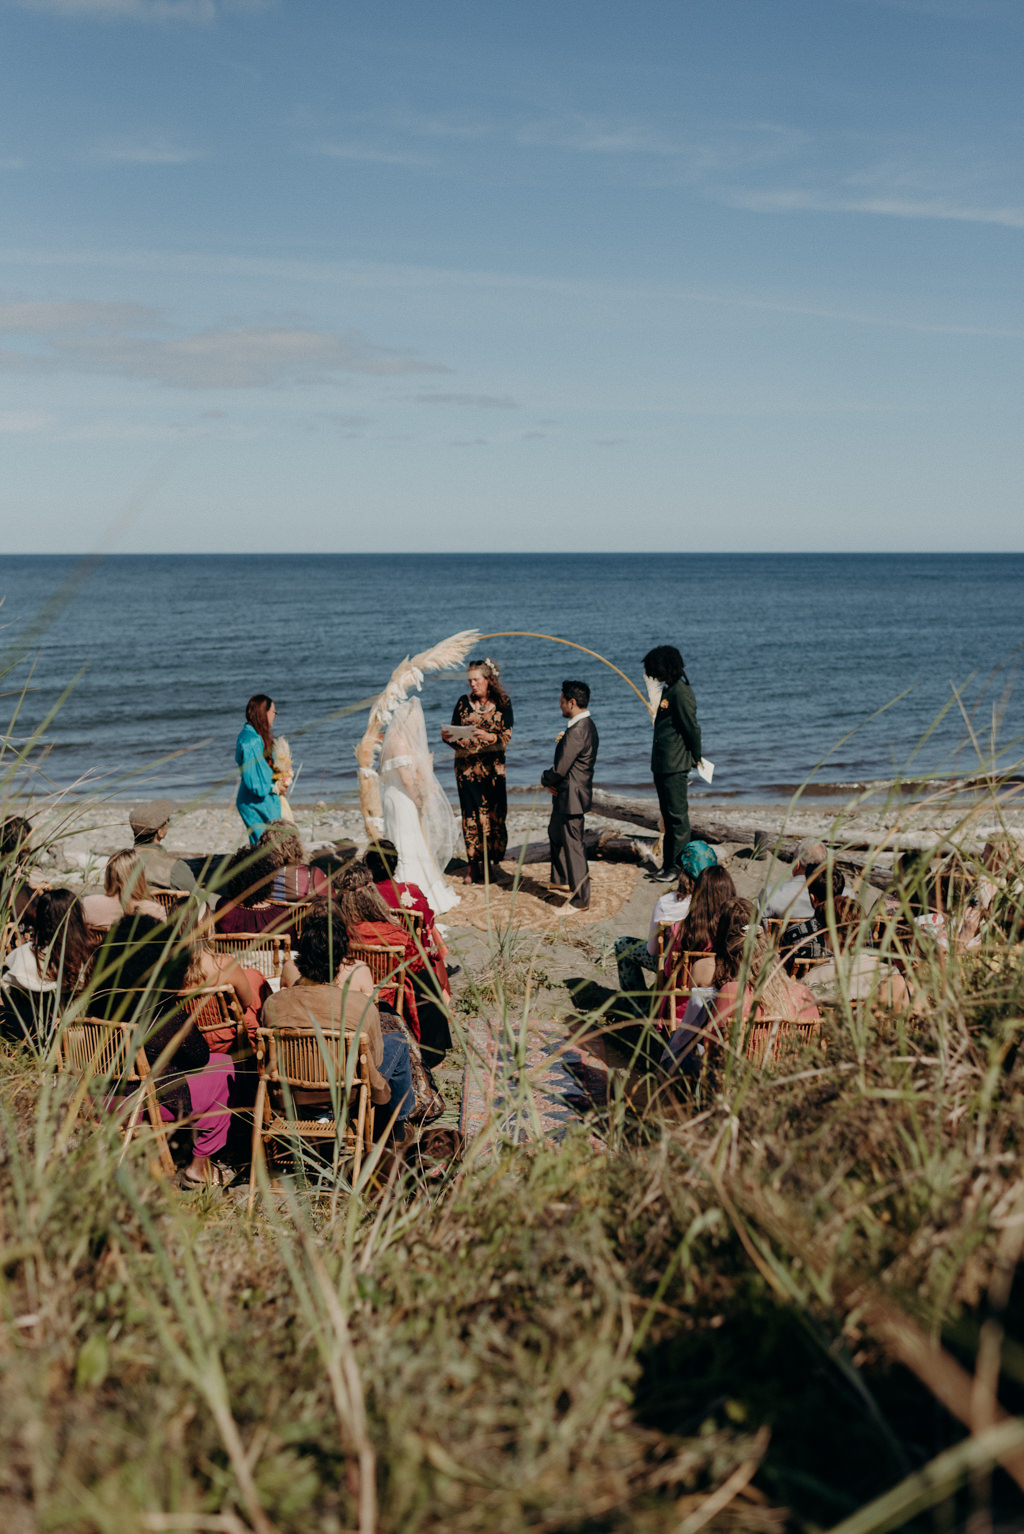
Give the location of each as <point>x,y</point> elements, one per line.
<point>714,150</point>
<point>129,342</point>
<point>194,12</point>
<point>782,200</point>
<point>20,423</point>
<point>473,401</point>
<point>141,152</point>
<point>371,154</point>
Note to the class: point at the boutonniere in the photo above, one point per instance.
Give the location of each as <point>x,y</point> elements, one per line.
<point>559,736</point>
<point>662,705</point>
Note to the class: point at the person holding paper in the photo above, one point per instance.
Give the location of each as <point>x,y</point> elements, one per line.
<point>480,732</point>
<point>675,751</point>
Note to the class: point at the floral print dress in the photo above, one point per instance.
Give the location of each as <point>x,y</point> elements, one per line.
<point>480,778</point>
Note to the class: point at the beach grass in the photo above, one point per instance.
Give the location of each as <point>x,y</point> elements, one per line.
<point>787,1299</point>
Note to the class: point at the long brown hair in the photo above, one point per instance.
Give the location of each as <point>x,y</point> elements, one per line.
<point>358,897</point>
<point>61,938</point>
<point>256,714</point>
<point>495,692</point>
<point>711,893</point>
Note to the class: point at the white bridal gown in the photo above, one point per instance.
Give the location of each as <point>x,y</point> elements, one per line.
<point>417,815</point>
<point>416,863</point>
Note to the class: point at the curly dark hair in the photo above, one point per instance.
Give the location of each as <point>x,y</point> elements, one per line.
<point>382,861</point>
<point>665,664</point>
<point>248,876</point>
<point>284,843</point>
<point>14,839</point>
<point>323,946</point>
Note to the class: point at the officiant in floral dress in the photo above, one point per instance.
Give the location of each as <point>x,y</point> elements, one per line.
<point>480,766</point>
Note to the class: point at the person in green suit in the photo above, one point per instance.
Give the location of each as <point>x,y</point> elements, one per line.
<point>676,749</point>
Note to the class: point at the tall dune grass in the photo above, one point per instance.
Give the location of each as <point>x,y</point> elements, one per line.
<point>787,1301</point>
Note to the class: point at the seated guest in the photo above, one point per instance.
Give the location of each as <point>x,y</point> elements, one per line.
<point>741,951</point>
<point>382,861</point>
<point>246,905</point>
<point>294,879</point>
<point>368,921</point>
<point>767,990</point>
<point>40,976</point>
<point>695,934</point>
<point>126,893</point>
<point>333,993</point>
<point>164,871</point>
<point>633,955</point>
<point>865,972</point>
<point>19,881</point>
<point>789,898</point>
<point>251,988</point>
<point>138,974</point>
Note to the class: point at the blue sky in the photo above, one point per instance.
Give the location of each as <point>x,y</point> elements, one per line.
<point>708,274</point>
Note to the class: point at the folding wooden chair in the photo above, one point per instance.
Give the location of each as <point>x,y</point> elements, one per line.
<point>386,966</point>
<point>97,1050</point>
<point>263,951</point>
<point>316,1061</point>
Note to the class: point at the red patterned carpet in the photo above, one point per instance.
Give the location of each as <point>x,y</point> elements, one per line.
<point>521,1089</point>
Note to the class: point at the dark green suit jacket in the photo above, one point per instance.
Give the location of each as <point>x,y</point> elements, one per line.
<point>676,745</point>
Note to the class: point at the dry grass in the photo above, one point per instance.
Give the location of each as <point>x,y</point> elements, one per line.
<point>790,1303</point>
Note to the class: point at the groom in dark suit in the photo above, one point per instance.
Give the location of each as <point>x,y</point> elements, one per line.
<point>571,781</point>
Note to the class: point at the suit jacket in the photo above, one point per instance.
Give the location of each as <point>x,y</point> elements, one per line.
<point>677,743</point>
<point>573,772</point>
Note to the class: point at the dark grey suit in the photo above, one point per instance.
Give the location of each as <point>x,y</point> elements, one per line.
<point>572,777</point>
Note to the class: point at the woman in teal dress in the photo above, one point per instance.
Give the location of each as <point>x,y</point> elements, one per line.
<point>256,800</point>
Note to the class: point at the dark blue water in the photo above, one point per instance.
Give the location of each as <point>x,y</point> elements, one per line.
<point>841,660</point>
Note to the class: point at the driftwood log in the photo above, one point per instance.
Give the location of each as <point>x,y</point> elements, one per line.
<point>640,812</point>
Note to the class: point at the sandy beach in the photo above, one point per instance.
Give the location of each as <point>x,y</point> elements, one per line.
<point>77,835</point>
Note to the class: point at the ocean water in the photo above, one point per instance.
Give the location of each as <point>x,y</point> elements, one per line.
<point>842,669</point>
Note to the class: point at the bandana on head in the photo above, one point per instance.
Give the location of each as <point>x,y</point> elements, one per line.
<point>695,857</point>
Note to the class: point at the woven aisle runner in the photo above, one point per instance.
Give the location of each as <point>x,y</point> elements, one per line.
<point>527,903</point>
<point>563,1077</point>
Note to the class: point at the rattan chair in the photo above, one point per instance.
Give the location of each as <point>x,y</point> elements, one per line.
<point>263,951</point>
<point>298,910</point>
<point>777,1040</point>
<point>213,1008</point>
<point>414,921</point>
<point>386,965</point>
<point>171,900</point>
<point>97,1050</point>
<point>309,1060</point>
<point>661,946</point>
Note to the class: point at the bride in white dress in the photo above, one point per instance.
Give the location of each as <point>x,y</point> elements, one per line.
<point>417,815</point>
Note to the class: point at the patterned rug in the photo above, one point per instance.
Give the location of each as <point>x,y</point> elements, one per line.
<point>534,1088</point>
<point>525,902</point>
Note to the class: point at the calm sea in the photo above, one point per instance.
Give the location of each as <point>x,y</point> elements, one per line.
<point>836,666</point>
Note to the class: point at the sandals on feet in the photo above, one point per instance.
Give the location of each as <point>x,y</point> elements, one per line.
<point>217,1176</point>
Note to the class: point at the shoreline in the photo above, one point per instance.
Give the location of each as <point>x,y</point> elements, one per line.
<point>79,833</point>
